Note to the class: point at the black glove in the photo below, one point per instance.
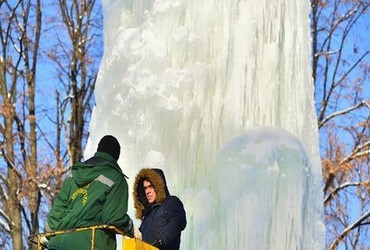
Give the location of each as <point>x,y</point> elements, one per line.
<point>130,230</point>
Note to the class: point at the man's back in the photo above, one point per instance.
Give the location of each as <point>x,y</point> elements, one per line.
<point>95,193</point>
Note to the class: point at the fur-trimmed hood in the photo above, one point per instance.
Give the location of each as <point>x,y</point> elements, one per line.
<point>158,180</point>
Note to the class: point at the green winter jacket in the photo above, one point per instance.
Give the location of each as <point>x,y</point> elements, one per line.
<point>95,193</point>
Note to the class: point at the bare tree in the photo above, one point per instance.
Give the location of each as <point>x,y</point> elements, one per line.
<point>37,152</point>
<point>340,62</point>
<point>78,60</point>
<point>20,35</point>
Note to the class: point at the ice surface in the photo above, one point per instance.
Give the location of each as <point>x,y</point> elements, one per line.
<point>181,79</point>
<point>264,178</point>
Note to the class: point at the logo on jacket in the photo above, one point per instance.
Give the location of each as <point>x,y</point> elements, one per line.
<point>81,192</point>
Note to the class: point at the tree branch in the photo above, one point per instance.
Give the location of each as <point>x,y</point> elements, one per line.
<point>346,231</point>
<point>356,153</point>
<point>344,111</point>
<point>343,186</point>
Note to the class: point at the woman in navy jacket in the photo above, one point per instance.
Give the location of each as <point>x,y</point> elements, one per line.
<point>163,216</point>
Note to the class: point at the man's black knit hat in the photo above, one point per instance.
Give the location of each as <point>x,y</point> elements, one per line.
<point>110,145</point>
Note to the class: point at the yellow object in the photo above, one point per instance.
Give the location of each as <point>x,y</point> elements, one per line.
<point>127,243</point>
<point>135,244</point>
<point>37,238</point>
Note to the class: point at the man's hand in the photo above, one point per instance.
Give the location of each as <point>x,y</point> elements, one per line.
<point>138,234</point>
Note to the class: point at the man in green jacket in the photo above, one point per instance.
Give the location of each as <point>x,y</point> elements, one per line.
<point>95,193</point>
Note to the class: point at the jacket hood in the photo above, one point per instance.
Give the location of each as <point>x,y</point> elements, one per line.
<point>85,172</point>
<point>158,180</point>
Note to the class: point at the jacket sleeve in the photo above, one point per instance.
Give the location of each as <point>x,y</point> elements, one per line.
<point>115,208</point>
<point>176,217</point>
<point>59,208</point>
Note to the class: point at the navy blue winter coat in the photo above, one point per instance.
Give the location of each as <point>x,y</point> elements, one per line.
<point>163,222</point>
